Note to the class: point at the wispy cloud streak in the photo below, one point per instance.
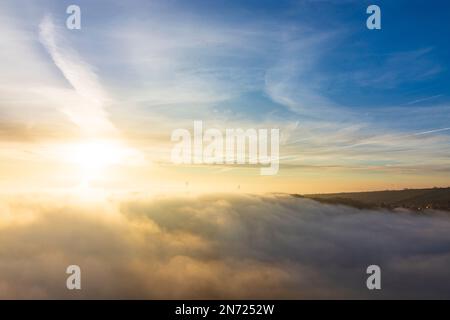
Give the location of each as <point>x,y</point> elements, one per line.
<point>86,109</point>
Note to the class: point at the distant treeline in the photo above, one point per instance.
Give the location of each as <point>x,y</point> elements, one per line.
<point>414,199</point>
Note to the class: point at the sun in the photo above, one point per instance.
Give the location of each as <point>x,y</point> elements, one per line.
<point>96,155</point>
<point>96,164</point>
<point>92,158</point>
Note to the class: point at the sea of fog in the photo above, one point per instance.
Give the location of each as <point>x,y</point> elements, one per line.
<point>218,246</point>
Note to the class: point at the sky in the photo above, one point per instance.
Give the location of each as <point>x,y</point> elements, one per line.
<point>93,109</point>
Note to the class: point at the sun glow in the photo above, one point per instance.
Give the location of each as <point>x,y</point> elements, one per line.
<point>94,157</point>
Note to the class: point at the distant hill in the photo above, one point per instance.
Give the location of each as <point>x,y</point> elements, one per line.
<point>414,199</point>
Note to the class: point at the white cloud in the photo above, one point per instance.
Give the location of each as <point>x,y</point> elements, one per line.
<point>87,108</point>
<point>219,246</point>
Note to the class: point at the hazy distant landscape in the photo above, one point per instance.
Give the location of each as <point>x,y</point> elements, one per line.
<point>413,199</point>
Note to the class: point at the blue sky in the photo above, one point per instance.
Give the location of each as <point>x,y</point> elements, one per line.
<point>330,54</point>
<point>344,96</point>
<point>403,64</point>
